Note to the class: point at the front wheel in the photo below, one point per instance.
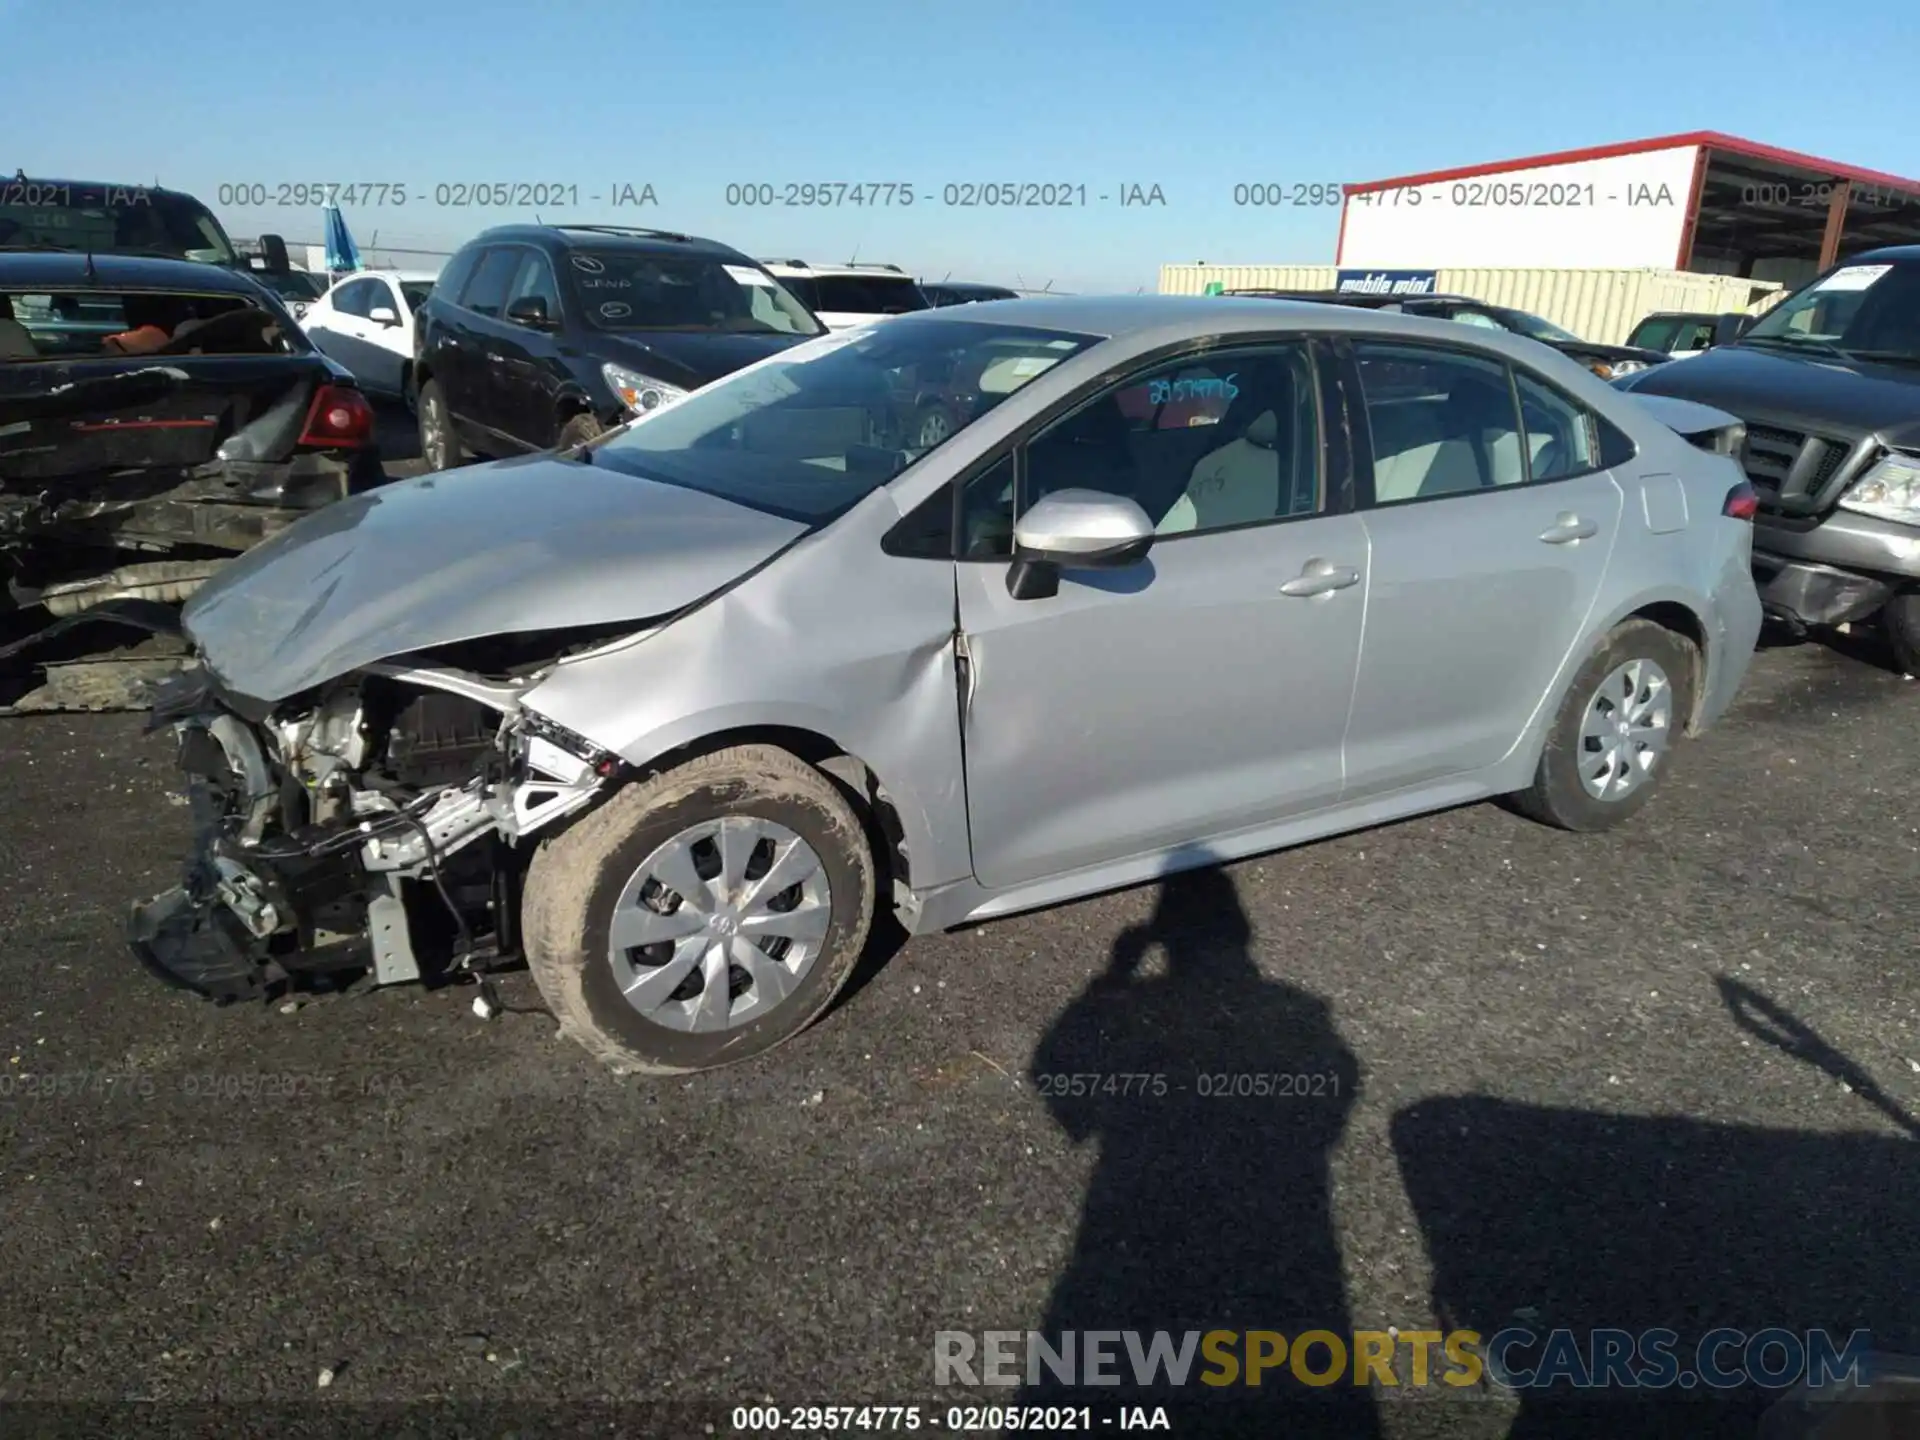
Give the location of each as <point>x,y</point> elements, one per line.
<point>702,917</point>
<point>1614,736</point>
<point>1901,622</point>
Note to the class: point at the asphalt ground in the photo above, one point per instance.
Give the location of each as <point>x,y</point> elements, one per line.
<point>1665,1076</point>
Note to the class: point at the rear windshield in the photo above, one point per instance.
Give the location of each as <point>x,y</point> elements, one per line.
<point>635,290</point>
<point>97,324</point>
<point>863,294</point>
<point>109,220</point>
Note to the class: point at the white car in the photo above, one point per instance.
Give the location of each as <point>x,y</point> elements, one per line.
<point>847,295</point>
<point>366,323</point>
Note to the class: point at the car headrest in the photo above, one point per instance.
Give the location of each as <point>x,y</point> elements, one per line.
<point>1264,431</point>
<point>1477,405</point>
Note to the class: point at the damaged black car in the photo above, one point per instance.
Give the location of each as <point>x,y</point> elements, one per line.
<point>157,417</point>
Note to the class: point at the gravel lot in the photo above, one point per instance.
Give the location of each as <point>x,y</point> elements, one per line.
<point>1664,1076</point>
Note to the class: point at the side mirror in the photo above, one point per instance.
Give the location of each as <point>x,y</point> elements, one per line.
<point>1729,328</point>
<point>1075,530</point>
<point>383,315</point>
<point>529,310</point>
<point>273,250</point>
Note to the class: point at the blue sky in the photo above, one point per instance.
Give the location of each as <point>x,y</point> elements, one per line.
<point>690,97</point>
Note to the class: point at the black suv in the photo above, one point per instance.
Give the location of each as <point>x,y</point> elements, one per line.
<point>1828,382</point>
<point>543,336</point>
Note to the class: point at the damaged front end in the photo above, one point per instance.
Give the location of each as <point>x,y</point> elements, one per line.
<point>372,827</point>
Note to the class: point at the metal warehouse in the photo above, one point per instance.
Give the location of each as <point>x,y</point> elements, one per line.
<point>1702,202</point>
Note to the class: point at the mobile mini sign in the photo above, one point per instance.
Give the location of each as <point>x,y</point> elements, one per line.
<point>1387,282</point>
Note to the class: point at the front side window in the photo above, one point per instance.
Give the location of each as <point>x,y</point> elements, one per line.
<point>354,298</point>
<point>1200,444</point>
<point>536,281</point>
<point>487,292</point>
<point>623,290</point>
<point>1442,423</point>
<point>810,431</point>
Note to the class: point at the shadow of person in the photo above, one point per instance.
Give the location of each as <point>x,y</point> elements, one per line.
<point>1215,1096</point>
<point>1674,1243</point>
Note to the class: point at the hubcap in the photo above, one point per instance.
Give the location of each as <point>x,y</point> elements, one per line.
<point>1628,725</point>
<point>433,434</point>
<point>720,924</point>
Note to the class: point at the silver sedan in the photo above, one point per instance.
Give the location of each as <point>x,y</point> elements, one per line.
<point>674,714</point>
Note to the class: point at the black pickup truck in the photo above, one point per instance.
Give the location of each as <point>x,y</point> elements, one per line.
<point>1828,382</point>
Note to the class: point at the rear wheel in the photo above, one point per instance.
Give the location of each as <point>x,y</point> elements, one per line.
<point>1901,622</point>
<point>1614,735</point>
<point>703,917</point>
<point>439,446</point>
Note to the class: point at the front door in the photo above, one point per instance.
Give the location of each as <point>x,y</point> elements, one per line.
<point>1202,690</point>
<point>1490,524</point>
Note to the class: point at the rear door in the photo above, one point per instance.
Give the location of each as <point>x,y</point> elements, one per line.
<point>525,376</point>
<point>466,365</point>
<point>1490,522</point>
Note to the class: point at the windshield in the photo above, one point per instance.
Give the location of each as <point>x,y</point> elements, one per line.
<point>110,219</point>
<point>1868,310</point>
<point>416,292</point>
<point>1534,328</point>
<point>635,290</point>
<point>809,432</point>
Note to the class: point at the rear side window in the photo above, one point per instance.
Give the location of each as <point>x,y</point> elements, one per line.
<point>1442,423</point>
<point>1559,434</point>
<point>486,293</point>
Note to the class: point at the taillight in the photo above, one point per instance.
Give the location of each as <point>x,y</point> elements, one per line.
<point>339,417</point>
<point>1742,502</point>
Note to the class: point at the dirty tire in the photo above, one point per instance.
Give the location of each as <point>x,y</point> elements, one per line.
<point>1901,622</point>
<point>577,431</point>
<point>1556,796</point>
<point>576,879</point>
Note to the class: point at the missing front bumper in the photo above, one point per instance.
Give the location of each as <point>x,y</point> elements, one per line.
<point>1805,594</point>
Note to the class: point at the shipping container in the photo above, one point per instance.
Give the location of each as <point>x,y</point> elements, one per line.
<point>1599,305</point>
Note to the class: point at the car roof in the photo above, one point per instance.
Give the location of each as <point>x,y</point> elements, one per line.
<point>76,270</point>
<point>1887,254</point>
<point>806,268</point>
<point>605,237</point>
<point>410,277</point>
<point>1355,297</point>
<point>1171,319</point>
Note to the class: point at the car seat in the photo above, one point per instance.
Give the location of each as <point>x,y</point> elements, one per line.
<point>16,341</point>
<point>1236,484</point>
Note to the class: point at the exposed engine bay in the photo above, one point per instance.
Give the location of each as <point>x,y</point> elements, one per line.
<point>371,828</point>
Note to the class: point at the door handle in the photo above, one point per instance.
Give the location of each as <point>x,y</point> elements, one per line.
<point>1569,529</point>
<point>1319,577</point>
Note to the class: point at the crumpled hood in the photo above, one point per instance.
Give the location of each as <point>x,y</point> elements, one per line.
<point>537,543</point>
